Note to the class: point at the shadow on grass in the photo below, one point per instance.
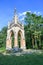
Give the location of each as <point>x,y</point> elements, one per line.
<point>29,59</point>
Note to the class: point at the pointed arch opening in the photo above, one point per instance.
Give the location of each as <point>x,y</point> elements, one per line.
<point>12,38</point>
<point>19,38</point>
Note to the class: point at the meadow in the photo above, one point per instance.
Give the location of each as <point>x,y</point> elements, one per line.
<point>26,59</point>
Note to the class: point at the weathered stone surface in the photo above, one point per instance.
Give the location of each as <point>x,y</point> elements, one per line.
<point>16,27</point>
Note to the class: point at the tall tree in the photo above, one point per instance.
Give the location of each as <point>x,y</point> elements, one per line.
<point>33,23</point>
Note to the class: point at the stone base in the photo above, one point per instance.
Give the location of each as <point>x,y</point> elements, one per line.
<point>8,48</point>
<point>16,49</point>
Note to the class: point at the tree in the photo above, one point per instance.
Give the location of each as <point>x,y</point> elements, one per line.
<point>33,29</point>
<point>3,35</point>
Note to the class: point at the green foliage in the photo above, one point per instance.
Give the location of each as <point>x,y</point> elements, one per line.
<point>12,40</point>
<point>33,30</point>
<point>2,49</point>
<point>3,35</point>
<point>19,40</point>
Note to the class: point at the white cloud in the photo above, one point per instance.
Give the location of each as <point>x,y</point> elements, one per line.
<point>29,11</point>
<point>38,13</point>
<point>35,12</point>
<point>22,15</point>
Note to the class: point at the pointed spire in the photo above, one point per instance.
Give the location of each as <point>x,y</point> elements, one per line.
<point>8,24</point>
<point>15,16</point>
<point>15,12</point>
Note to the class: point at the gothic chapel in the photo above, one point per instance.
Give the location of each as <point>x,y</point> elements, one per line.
<point>15,28</point>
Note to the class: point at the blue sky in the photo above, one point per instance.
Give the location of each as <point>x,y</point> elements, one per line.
<point>7,9</point>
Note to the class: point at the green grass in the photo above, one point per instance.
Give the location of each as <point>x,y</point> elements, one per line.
<point>30,59</point>
<point>2,49</point>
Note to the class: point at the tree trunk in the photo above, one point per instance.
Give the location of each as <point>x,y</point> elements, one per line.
<point>36,43</point>
<point>32,42</point>
<point>39,43</point>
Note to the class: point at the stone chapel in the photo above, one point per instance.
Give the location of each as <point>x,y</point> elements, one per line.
<point>14,28</point>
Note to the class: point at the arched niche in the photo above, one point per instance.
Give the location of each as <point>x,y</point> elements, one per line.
<point>19,38</point>
<point>12,38</point>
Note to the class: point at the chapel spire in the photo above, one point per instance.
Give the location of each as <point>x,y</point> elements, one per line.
<point>15,16</point>
<point>15,11</point>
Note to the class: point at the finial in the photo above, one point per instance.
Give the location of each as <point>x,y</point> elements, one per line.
<point>15,11</point>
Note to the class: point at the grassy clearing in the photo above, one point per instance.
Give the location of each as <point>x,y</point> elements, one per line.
<point>29,59</point>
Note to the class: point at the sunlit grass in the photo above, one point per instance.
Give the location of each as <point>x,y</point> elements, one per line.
<point>27,59</point>
<point>2,49</point>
